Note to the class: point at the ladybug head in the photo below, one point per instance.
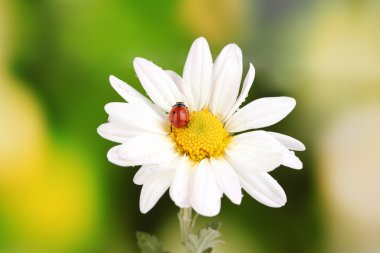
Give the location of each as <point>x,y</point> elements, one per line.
<point>179,104</point>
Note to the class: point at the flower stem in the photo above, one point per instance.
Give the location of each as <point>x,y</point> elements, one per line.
<point>187,223</point>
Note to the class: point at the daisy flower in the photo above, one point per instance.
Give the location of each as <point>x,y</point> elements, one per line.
<point>220,151</point>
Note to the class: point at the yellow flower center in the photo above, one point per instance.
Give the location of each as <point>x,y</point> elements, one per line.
<point>203,137</point>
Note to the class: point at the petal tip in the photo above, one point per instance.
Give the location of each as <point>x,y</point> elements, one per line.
<point>236,49</point>
<point>113,157</point>
<point>137,61</point>
<point>292,101</point>
<point>283,201</point>
<point>206,213</point>
<point>144,210</point>
<point>200,40</point>
<point>200,43</point>
<point>100,130</point>
<point>279,203</point>
<point>112,78</point>
<point>251,67</point>
<point>114,81</point>
<point>238,201</point>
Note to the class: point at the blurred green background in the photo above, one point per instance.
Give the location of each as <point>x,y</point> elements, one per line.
<point>58,193</point>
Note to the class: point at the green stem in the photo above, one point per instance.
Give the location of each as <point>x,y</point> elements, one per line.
<point>186,222</point>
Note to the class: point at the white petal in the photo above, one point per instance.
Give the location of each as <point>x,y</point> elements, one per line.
<point>289,159</point>
<point>259,184</point>
<point>118,132</point>
<point>198,72</point>
<point>260,113</point>
<point>179,188</point>
<point>148,149</point>
<point>143,174</point>
<point>226,79</point>
<point>114,157</point>
<point>133,96</point>
<point>259,150</point>
<point>248,81</point>
<point>227,180</point>
<point>292,161</point>
<point>134,117</point>
<point>159,86</point>
<point>205,193</point>
<point>153,189</point>
<point>184,88</point>
<point>289,142</point>
<point>126,91</point>
<point>262,187</point>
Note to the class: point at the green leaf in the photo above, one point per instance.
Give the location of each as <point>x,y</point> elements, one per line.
<point>205,240</point>
<point>149,243</point>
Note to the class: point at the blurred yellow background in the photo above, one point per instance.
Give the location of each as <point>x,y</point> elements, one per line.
<point>58,193</point>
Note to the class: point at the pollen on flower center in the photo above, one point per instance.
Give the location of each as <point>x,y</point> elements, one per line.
<point>204,136</point>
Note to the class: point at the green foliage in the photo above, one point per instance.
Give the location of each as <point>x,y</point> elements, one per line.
<point>205,240</point>
<point>149,243</point>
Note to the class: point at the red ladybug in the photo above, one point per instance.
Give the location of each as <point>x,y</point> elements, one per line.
<point>179,115</point>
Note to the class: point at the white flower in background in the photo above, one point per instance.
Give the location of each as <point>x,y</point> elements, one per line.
<point>207,158</point>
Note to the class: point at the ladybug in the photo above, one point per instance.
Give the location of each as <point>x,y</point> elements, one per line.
<point>179,115</point>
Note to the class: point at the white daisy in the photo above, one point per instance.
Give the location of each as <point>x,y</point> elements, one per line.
<point>210,156</point>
